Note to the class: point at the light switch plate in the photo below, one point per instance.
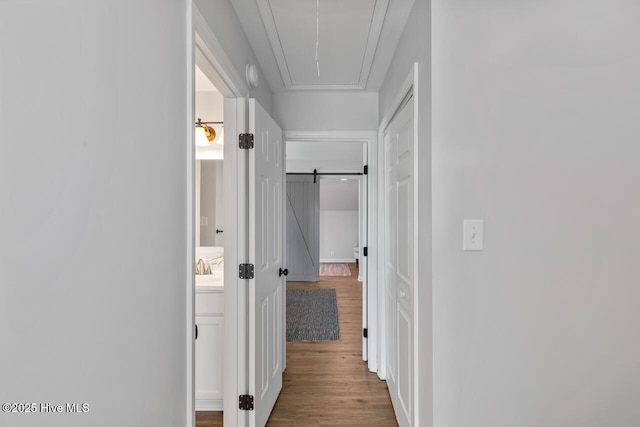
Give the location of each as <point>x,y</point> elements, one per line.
<point>204,221</point>
<point>473,235</point>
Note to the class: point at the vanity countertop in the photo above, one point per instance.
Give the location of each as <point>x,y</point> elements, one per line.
<point>210,280</point>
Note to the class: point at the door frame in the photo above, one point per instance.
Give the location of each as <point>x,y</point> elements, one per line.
<point>408,88</point>
<point>370,140</point>
<point>207,52</point>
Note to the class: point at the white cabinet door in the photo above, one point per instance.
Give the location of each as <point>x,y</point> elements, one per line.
<point>209,362</point>
<point>266,252</point>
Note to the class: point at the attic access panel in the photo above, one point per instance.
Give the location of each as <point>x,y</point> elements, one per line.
<point>348,37</point>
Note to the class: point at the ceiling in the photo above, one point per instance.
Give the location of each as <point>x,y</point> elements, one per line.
<point>203,84</point>
<point>356,41</point>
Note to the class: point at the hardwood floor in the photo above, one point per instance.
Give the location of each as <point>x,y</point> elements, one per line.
<point>328,383</point>
<point>208,419</point>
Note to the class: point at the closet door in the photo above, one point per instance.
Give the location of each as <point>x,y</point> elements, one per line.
<point>390,238</point>
<point>399,267</point>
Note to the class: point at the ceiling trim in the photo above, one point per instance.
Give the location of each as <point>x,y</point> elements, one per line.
<point>377,21</point>
<point>379,13</point>
<point>329,136</point>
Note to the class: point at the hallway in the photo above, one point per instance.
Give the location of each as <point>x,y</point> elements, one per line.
<point>327,383</point>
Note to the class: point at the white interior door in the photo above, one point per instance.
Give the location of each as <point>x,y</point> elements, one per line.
<point>399,257</point>
<point>266,308</point>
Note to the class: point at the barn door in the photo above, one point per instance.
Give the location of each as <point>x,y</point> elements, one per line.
<point>266,290</point>
<point>303,228</point>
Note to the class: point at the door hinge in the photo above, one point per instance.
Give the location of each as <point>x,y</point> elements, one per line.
<point>365,251</point>
<point>246,402</point>
<point>365,332</point>
<point>246,271</point>
<point>246,141</point>
<point>366,169</point>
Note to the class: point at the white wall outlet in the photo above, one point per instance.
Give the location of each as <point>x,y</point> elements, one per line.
<point>473,235</point>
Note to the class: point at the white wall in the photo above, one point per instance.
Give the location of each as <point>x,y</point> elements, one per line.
<point>209,106</point>
<point>536,132</point>
<point>338,219</point>
<point>338,156</point>
<point>326,111</point>
<point>415,46</point>
<point>336,194</point>
<point>224,23</point>
<point>338,234</point>
<point>93,162</point>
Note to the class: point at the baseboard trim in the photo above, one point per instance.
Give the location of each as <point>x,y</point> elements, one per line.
<point>291,278</point>
<point>335,261</point>
<point>208,404</point>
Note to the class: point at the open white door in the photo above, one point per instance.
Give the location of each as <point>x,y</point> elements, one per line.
<point>364,260</point>
<point>266,253</point>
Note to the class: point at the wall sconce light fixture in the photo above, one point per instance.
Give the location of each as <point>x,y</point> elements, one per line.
<point>205,134</point>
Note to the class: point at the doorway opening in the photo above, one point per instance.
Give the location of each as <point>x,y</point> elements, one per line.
<point>209,244</point>
<point>213,315</point>
<point>337,161</point>
<point>340,218</point>
<point>335,366</point>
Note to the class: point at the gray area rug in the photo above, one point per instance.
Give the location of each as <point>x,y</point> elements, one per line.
<point>312,315</point>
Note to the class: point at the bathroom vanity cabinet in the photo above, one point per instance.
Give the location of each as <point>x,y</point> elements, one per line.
<point>209,319</point>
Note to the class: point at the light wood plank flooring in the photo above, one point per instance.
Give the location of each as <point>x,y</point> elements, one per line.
<point>327,383</point>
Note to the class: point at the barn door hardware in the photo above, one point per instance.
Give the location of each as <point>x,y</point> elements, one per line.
<point>316,174</point>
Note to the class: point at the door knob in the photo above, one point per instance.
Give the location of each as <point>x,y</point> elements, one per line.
<point>218,231</point>
<point>285,272</point>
